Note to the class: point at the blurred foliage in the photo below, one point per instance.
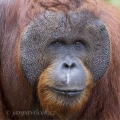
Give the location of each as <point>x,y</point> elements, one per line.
<point>114,2</point>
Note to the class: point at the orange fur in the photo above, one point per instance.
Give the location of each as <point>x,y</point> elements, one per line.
<point>61,106</point>
<point>15,92</point>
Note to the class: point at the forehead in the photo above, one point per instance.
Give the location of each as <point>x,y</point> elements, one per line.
<point>61,23</point>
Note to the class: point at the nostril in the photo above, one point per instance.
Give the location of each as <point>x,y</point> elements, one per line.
<point>66,65</point>
<point>69,65</point>
<point>73,65</point>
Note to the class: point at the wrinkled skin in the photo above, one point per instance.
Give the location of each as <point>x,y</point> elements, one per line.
<point>64,55</point>
<point>59,60</point>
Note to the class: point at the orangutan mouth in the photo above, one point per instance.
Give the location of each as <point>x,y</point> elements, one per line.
<point>68,93</point>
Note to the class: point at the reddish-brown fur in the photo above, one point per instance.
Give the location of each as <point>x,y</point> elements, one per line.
<point>15,92</point>
<point>48,98</point>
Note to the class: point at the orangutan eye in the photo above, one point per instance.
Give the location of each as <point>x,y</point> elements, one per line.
<point>57,43</point>
<point>78,43</point>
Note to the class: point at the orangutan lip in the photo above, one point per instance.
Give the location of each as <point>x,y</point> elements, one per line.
<point>68,93</point>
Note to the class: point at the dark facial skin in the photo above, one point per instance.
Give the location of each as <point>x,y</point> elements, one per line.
<point>75,46</point>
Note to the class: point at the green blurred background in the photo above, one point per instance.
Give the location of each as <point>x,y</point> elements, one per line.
<point>114,2</point>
